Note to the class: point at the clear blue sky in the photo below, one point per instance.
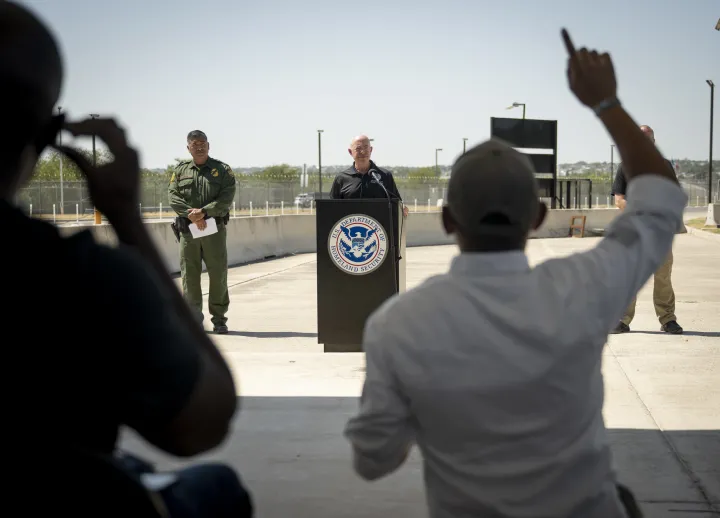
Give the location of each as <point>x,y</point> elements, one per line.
<point>260,77</point>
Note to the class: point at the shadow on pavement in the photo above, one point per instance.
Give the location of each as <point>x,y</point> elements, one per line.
<point>291,453</point>
<point>709,334</point>
<point>272,334</point>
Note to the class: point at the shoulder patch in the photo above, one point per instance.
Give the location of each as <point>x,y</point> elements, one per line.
<point>227,168</point>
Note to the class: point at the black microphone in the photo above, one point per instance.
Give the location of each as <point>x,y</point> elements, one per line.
<point>375,176</point>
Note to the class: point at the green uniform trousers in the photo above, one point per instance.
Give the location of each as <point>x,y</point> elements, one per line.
<point>213,251</point>
<point>663,295</point>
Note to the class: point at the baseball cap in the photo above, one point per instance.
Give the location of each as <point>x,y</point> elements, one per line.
<point>493,191</point>
<point>196,135</point>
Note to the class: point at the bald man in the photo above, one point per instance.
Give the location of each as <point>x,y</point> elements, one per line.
<point>663,293</point>
<point>357,181</point>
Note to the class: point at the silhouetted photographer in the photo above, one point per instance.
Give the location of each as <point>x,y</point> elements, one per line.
<point>118,347</point>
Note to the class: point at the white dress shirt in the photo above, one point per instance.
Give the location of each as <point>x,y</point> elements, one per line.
<point>493,370</point>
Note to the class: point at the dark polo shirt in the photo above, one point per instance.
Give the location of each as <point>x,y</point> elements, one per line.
<point>352,184</point>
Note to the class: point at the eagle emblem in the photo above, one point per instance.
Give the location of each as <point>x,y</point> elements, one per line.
<point>357,244</point>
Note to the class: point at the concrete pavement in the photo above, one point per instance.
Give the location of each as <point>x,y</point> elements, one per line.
<point>662,406</point>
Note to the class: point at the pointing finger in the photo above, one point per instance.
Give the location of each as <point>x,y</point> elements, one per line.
<point>568,43</point>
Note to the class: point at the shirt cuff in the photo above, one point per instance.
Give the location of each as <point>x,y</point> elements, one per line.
<point>652,192</point>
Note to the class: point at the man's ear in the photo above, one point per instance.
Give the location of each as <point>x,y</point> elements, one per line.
<point>448,221</point>
<point>350,152</point>
<point>542,213</point>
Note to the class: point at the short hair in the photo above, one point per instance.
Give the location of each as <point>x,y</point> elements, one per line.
<point>196,135</point>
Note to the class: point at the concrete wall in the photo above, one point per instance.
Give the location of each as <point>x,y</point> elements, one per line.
<point>251,239</point>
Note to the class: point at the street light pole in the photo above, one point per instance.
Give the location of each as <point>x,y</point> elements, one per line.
<point>464,142</point>
<point>710,158</point>
<point>713,213</point>
<point>516,105</point>
<point>60,157</point>
<point>320,162</point>
<point>437,169</point>
<point>612,163</point>
<point>98,217</point>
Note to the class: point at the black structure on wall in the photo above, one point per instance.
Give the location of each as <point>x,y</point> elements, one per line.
<point>533,134</point>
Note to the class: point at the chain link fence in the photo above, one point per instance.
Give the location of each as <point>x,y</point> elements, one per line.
<point>256,198</point>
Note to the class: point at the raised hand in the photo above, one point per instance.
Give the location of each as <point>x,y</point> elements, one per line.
<point>591,75</point>
<point>113,186</point>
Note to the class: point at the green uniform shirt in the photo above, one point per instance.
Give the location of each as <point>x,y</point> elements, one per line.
<point>210,186</point>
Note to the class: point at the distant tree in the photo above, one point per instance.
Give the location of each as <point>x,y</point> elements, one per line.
<point>47,168</point>
<point>169,170</point>
<point>423,175</point>
<point>281,173</point>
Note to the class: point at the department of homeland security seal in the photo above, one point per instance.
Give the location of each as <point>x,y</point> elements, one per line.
<point>357,244</point>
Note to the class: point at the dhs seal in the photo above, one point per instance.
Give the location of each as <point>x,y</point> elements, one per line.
<point>357,244</point>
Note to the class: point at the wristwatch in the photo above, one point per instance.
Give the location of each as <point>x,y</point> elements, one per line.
<point>605,105</point>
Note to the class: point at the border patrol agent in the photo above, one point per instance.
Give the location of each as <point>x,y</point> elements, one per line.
<point>200,189</point>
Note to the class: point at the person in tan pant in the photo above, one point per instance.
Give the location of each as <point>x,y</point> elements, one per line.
<point>663,293</point>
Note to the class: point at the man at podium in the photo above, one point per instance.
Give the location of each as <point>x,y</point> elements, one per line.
<point>363,178</point>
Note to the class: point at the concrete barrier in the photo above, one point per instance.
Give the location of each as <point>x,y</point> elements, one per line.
<point>261,237</point>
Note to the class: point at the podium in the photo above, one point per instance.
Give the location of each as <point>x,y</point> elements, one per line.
<point>360,264</point>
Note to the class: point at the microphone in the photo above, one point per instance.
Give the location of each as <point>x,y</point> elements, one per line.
<point>375,174</point>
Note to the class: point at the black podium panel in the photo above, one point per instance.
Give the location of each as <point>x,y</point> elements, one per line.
<point>356,268</point>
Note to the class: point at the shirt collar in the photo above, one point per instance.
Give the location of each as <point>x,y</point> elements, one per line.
<point>353,172</point>
<point>489,263</point>
<point>196,166</point>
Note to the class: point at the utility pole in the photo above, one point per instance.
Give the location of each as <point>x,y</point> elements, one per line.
<point>464,142</point>
<point>710,157</point>
<point>320,162</point>
<point>713,213</point>
<point>60,157</point>
<point>98,217</point>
